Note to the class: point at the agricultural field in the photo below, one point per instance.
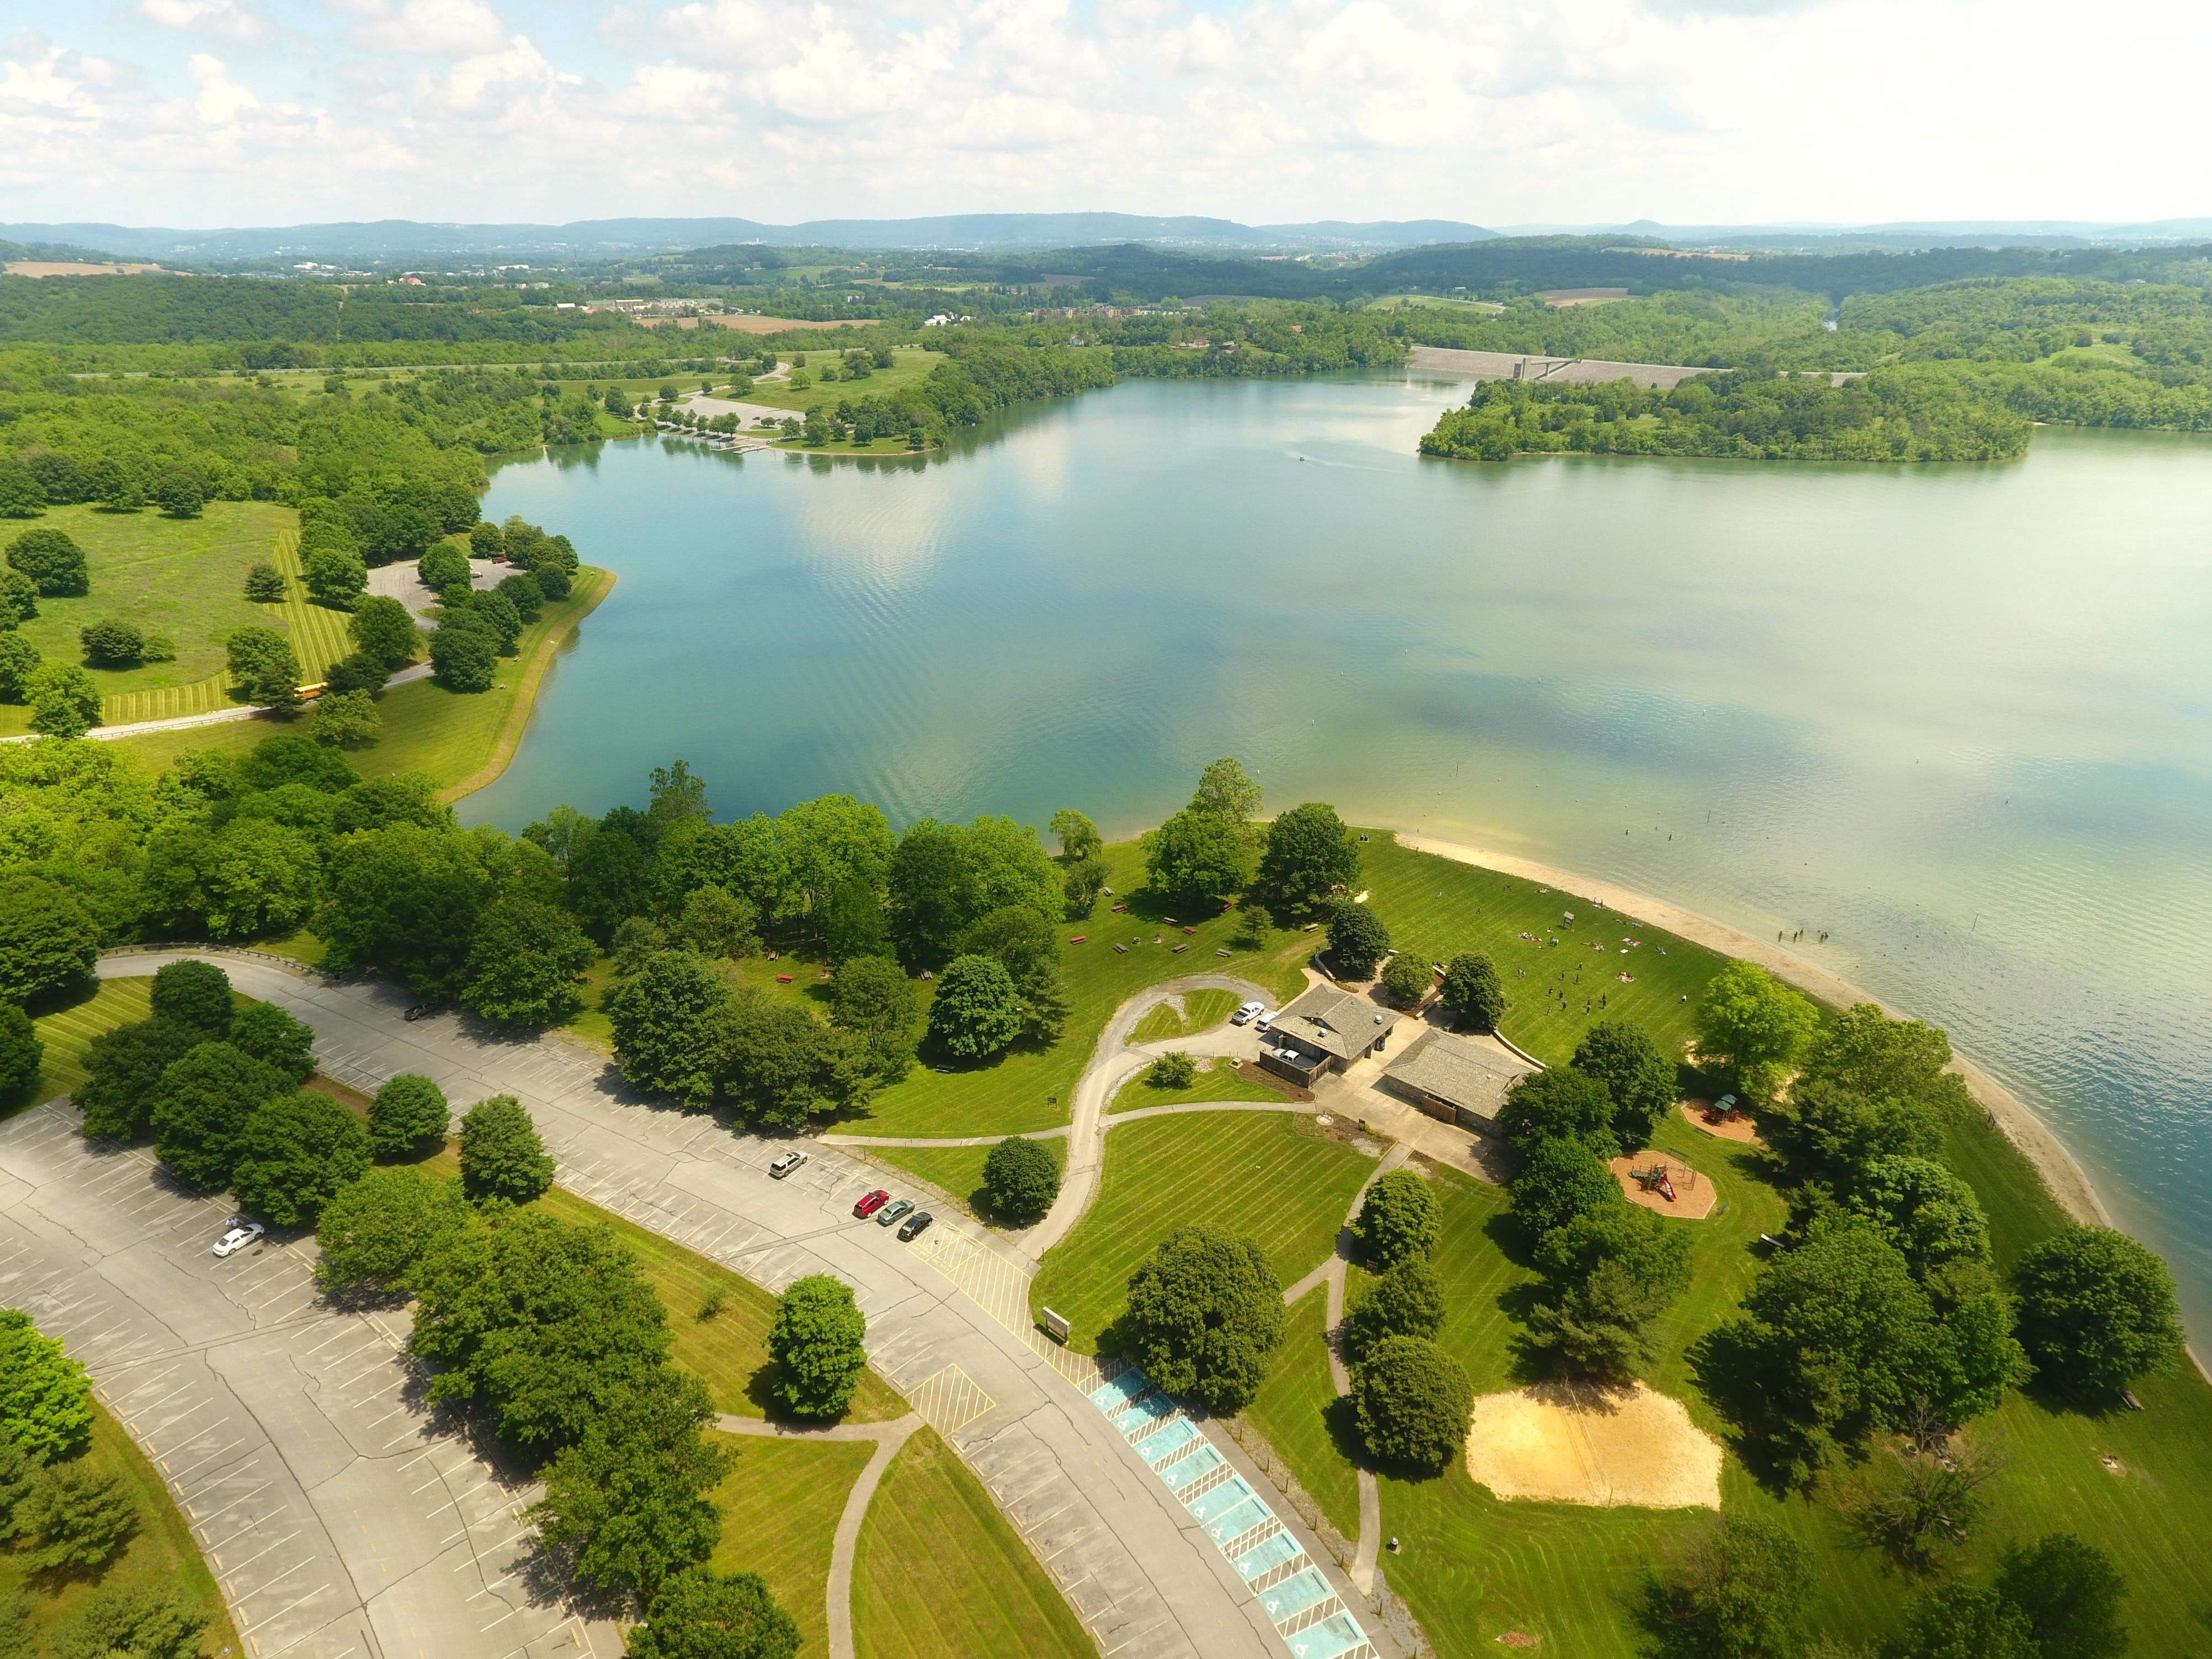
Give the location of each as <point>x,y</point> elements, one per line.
<point>1273,1176</point>
<point>940,1574</point>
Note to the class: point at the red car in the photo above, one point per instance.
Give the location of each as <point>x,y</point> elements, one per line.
<point>873,1202</point>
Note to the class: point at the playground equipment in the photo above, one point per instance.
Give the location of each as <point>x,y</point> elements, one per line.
<point>1659,1178</point>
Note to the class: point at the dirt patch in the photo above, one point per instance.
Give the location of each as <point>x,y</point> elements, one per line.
<point>1739,1128</point>
<point>1573,1444</point>
<point>1694,1194</point>
<point>71,268</point>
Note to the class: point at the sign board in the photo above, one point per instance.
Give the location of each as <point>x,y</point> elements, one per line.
<point>1055,1325</point>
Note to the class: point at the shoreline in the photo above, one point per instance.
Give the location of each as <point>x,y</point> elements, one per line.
<point>2061,1171</point>
<point>525,699</point>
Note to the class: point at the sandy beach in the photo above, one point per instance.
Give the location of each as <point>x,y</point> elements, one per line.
<point>2068,1184</point>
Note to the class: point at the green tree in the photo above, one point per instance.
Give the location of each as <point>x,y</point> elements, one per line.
<point>874,999</point>
<point>384,629</point>
<point>441,566</point>
<point>817,1339</point>
<point>1558,1104</point>
<point>1172,1070</point>
<point>1561,1180</point>
<point>716,922</point>
<point>1021,1179</point>
<point>18,598</point>
<point>346,719</point>
<point>1412,1400</point>
<point>1205,1314</point>
<point>1081,882</point>
<point>501,1156</point>
<point>335,575</point>
<point>700,1614</point>
<point>410,1114</point>
<point>1078,837</point>
<point>123,1066</point>
<point>1610,1273</point>
<point>21,1052</point>
<point>111,643</point>
<point>628,1503</point>
<point>45,1399</point>
<point>524,963</point>
<point>180,495</point>
<point>978,1011</point>
<point>77,1519</point>
<point>526,593</point>
<point>273,1037</point>
<point>497,613</point>
<point>138,1621</point>
<point>1928,1214</point>
<point>1398,1220</point>
<point>1195,858</point>
<point>2097,1309</point>
<point>1757,1023</point>
<point>406,897</point>
<point>265,583</point>
<point>1915,1500</point>
<point>855,923</point>
<point>1225,792</point>
<point>782,1066</point>
<point>374,1230</point>
<point>2070,1594</point>
<point>48,943</point>
<point>668,1019</point>
<point>1962,1621</point>
<point>19,495</point>
<point>1830,1133</point>
<point>18,660</point>
<point>64,701</point>
<point>464,652</point>
<point>1739,1593</point>
<point>1636,1074</point>
<point>1308,855</point>
<point>944,878</point>
<point>358,672</point>
<point>262,661</point>
<point>1406,1301</point>
<point>1357,940</point>
<point>295,1152</point>
<point>200,1108</point>
<point>833,839</point>
<point>55,564</point>
<point>1405,979</point>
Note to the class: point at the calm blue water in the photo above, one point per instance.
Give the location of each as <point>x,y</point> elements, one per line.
<point>1961,718</point>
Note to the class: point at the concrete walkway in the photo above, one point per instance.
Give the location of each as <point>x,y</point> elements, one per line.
<point>889,1437</point>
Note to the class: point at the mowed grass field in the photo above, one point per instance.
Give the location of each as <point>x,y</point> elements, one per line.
<point>1298,1409</point>
<point>1436,908</point>
<point>1201,1010</point>
<point>68,1029</point>
<point>780,1509</point>
<point>1217,1079</point>
<point>910,366</point>
<point>1271,1176</point>
<point>1027,1087</point>
<point>940,1575</point>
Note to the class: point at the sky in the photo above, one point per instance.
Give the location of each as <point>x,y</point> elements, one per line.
<point>211,112</point>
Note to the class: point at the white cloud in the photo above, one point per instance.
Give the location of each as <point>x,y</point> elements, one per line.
<point>226,19</point>
<point>434,29</point>
<point>221,100</point>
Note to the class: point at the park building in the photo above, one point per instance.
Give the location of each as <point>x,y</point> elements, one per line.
<point>1326,1029</point>
<point>1451,1078</point>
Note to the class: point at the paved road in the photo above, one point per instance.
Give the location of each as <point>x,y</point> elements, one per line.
<point>949,1321</point>
<point>338,1516</point>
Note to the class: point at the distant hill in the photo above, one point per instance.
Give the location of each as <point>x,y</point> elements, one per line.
<point>1902,236</point>
<point>388,239</point>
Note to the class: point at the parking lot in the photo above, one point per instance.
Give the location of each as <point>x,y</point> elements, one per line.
<point>337,1515</point>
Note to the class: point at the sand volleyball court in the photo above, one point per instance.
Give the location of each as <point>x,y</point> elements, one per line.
<point>1576,1443</point>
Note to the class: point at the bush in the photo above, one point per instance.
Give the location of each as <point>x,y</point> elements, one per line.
<point>410,1115</point>
<point>817,1341</point>
<point>77,1519</point>
<point>1406,980</point>
<point>976,1012</point>
<point>296,1152</point>
<point>21,1052</point>
<point>345,719</point>
<point>1407,1301</point>
<point>1205,1314</point>
<point>47,941</point>
<point>55,564</point>
<point>441,566</point>
<point>374,1230</point>
<point>1638,1077</point>
<point>2097,1309</point>
<point>466,656</point>
<point>181,494</point>
<point>123,1066</point>
<point>273,1037</point>
<point>111,644</point>
<point>135,1621</point>
<point>1356,940</point>
<point>703,1614</point>
<point>501,1156</point>
<point>1172,1070</point>
<point>1021,1178</point>
<point>1472,993</point>
<point>45,1401</point>
<point>265,583</point>
<point>1412,1400</point>
<point>195,995</point>
<point>64,701</point>
<point>1398,1219</point>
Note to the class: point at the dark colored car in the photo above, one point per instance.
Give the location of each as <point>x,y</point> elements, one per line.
<point>916,1224</point>
<point>872,1202</point>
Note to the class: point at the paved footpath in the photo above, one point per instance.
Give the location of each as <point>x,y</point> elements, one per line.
<point>948,1316</point>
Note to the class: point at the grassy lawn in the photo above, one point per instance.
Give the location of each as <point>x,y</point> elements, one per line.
<point>1218,1079</point>
<point>910,366</point>
<point>1272,1176</point>
<point>940,1574</point>
<point>1297,1409</point>
<point>68,1029</point>
<point>163,1551</point>
<point>1201,1010</point>
<point>1436,908</point>
<point>780,1509</point>
<point>1027,1087</point>
<point>450,736</point>
<point>957,1169</point>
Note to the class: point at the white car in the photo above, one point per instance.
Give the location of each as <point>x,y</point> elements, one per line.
<point>785,1164</point>
<point>239,1237</point>
<point>1243,1015</point>
<point>1268,1017</point>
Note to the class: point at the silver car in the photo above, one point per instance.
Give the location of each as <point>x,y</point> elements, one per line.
<point>239,1237</point>
<point>788,1164</point>
<point>893,1211</point>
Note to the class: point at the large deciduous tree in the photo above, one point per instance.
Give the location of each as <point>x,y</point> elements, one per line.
<point>978,1011</point>
<point>1412,1400</point>
<point>703,1614</point>
<point>1205,1314</point>
<point>200,1108</point>
<point>296,1152</point>
<point>1308,855</point>
<point>1196,858</point>
<point>1759,1023</point>
<point>374,1232</point>
<point>45,1399</point>
<point>817,1339</point>
<point>1636,1074</point>
<point>2097,1309</point>
<point>501,1156</point>
<point>1558,1104</point>
<point>1398,1219</point>
<point>1357,940</point>
<point>48,942</point>
<point>1021,1178</point>
<point>524,963</point>
<point>409,1115</point>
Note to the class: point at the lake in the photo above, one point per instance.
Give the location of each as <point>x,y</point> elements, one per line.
<point>1959,718</point>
